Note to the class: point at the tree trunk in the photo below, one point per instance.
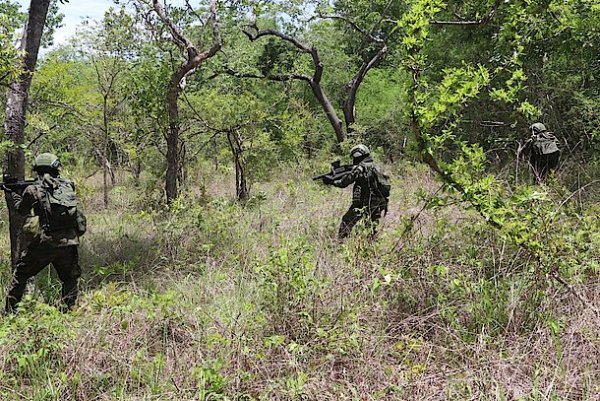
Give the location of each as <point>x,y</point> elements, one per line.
<point>215,153</point>
<point>308,147</point>
<point>193,59</point>
<point>16,109</point>
<point>172,143</point>
<point>137,171</point>
<point>349,106</point>
<point>349,115</point>
<point>183,173</point>
<point>105,163</point>
<point>241,186</point>
<point>329,110</point>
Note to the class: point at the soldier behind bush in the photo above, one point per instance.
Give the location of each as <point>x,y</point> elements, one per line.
<point>544,154</point>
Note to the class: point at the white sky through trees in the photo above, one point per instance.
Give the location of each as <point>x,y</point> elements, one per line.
<point>77,10</point>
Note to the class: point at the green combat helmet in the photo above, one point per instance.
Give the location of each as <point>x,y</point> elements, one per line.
<point>537,128</point>
<point>359,151</point>
<point>46,161</point>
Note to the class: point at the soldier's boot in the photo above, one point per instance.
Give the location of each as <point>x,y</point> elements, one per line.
<point>69,295</point>
<point>375,216</point>
<point>16,293</point>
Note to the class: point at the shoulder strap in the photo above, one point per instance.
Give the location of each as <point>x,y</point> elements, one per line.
<point>43,199</point>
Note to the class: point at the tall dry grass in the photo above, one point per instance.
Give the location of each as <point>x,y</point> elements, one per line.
<point>219,301</point>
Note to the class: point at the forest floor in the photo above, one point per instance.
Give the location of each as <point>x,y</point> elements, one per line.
<point>218,301</point>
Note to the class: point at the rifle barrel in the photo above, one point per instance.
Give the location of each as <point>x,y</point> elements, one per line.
<point>336,172</point>
<point>18,185</point>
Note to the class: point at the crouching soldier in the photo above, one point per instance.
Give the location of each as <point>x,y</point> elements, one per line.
<point>370,194</point>
<point>53,201</point>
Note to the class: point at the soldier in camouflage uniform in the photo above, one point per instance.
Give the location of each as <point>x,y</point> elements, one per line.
<point>544,155</point>
<point>49,245</point>
<point>370,194</point>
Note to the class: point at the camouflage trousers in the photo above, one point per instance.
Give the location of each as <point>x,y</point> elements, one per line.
<point>356,214</point>
<point>543,165</point>
<point>33,260</point>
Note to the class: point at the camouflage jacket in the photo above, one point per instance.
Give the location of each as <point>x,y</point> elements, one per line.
<point>31,200</point>
<point>364,177</point>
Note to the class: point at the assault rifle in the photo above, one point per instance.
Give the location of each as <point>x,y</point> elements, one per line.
<point>337,171</point>
<point>13,184</point>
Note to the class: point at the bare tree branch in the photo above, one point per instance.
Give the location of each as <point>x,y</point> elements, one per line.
<point>277,78</point>
<point>354,84</point>
<point>41,134</point>
<point>259,33</point>
<point>178,38</point>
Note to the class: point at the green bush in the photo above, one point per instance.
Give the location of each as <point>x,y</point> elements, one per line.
<point>290,289</point>
<point>31,344</point>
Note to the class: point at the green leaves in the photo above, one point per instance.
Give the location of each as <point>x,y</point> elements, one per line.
<point>10,19</point>
<point>416,21</point>
<point>436,111</point>
<point>512,93</point>
<point>458,86</point>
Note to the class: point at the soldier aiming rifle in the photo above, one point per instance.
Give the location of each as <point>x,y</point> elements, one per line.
<point>370,195</point>
<point>61,222</point>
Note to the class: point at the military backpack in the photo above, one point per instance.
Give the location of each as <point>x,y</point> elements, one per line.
<point>59,203</point>
<point>545,143</point>
<point>382,183</point>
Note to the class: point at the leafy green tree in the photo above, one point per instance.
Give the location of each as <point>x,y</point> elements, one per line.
<point>247,120</point>
<point>291,53</point>
<point>148,111</point>
<point>437,107</point>
<point>9,19</point>
<point>368,38</point>
<point>193,57</point>
<point>109,48</point>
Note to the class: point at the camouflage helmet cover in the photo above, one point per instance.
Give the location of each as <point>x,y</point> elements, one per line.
<point>537,128</point>
<point>359,151</point>
<point>47,160</point>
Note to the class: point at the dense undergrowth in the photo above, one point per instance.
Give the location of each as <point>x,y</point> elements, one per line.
<point>218,301</point>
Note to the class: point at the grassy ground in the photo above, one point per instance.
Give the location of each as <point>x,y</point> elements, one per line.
<point>215,301</point>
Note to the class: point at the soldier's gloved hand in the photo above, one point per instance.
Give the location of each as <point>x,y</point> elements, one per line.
<point>327,181</point>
